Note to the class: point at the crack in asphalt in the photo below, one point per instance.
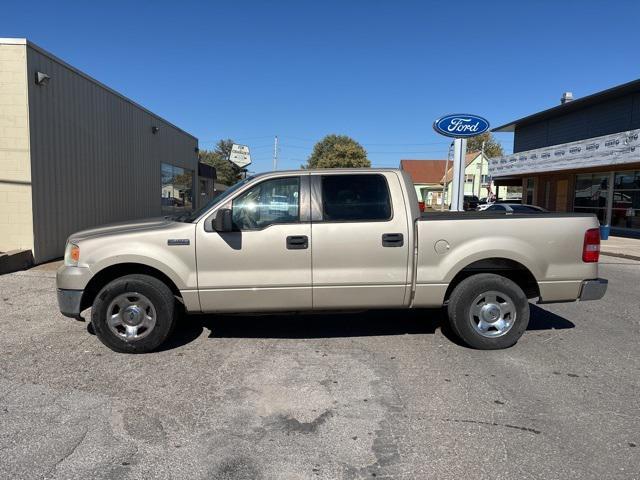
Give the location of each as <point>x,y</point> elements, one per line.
<point>68,454</point>
<point>493,424</point>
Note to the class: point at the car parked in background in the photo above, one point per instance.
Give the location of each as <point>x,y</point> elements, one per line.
<point>471,202</point>
<point>511,208</point>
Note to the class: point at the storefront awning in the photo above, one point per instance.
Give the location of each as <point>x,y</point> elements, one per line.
<point>607,150</point>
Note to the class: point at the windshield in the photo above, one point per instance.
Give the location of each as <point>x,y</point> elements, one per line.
<point>192,216</point>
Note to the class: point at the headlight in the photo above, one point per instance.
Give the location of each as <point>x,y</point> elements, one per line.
<point>71,255</point>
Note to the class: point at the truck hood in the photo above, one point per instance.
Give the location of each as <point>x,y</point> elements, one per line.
<point>146,225</point>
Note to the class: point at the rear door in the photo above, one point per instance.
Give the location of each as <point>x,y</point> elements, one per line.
<point>360,240</point>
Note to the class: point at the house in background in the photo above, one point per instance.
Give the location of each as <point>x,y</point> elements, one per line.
<point>426,176</point>
<point>476,177</point>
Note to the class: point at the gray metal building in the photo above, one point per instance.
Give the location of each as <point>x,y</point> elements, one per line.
<point>74,153</point>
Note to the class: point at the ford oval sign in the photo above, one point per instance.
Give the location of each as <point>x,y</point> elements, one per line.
<point>461,125</point>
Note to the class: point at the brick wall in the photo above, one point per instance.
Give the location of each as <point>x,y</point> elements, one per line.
<point>16,223</point>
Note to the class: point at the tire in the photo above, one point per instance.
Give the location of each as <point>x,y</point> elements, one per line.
<point>135,303</point>
<point>488,311</point>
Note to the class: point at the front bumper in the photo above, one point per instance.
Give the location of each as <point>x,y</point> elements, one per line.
<point>593,289</point>
<point>73,278</point>
<point>69,302</point>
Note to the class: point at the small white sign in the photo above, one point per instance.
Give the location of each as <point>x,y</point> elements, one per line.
<point>240,155</point>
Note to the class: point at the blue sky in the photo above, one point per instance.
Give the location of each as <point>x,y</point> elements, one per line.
<point>380,72</point>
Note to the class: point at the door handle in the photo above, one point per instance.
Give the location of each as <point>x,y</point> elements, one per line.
<point>392,240</point>
<point>297,242</point>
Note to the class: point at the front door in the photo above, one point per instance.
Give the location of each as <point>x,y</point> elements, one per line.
<point>360,241</point>
<point>265,263</point>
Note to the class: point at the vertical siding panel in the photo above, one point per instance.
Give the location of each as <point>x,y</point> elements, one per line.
<point>94,158</point>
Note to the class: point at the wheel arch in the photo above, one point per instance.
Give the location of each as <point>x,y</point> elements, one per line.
<point>107,274</point>
<point>506,267</point>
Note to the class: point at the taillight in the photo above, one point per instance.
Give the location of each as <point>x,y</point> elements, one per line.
<point>591,246</point>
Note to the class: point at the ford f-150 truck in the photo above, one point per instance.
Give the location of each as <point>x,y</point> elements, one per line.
<point>327,240</point>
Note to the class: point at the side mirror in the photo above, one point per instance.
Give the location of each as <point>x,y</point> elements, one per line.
<point>223,221</point>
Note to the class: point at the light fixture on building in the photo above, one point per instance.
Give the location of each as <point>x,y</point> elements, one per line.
<point>155,129</point>
<point>42,78</point>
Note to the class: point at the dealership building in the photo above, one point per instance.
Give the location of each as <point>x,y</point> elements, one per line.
<point>582,156</point>
<point>74,154</point>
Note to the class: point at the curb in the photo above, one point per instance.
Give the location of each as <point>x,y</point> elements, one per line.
<point>15,260</point>
<point>621,255</point>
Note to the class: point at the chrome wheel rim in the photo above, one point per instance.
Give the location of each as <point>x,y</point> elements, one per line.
<point>492,314</point>
<point>131,316</point>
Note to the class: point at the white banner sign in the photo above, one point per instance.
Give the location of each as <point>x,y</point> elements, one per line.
<point>240,155</point>
<point>614,149</point>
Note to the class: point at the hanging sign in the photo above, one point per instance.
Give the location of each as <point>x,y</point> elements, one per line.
<point>461,125</point>
<point>240,155</point>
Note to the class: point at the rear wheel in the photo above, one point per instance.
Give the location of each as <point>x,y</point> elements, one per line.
<point>488,311</point>
<point>134,314</point>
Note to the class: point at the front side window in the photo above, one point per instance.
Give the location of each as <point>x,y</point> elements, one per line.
<point>353,198</point>
<point>267,203</point>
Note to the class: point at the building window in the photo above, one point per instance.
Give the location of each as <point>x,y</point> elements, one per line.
<point>485,179</point>
<point>469,178</point>
<point>625,212</point>
<point>591,194</point>
<point>177,189</point>
<point>530,189</point>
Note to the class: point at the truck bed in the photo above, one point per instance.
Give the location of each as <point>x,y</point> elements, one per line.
<point>547,245</point>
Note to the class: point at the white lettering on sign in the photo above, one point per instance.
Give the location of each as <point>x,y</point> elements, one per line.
<point>462,125</point>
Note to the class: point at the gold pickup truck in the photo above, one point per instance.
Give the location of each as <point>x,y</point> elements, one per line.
<point>327,240</point>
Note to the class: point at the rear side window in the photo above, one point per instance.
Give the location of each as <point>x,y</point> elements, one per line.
<point>353,198</point>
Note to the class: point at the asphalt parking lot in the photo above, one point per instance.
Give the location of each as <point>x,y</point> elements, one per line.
<point>373,394</point>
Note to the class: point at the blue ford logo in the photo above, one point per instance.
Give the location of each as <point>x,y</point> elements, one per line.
<point>461,125</point>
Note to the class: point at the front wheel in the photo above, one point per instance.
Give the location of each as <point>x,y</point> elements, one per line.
<point>488,311</point>
<point>133,314</point>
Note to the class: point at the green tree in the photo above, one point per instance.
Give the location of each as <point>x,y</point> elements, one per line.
<point>227,172</point>
<point>337,151</point>
<point>492,147</point>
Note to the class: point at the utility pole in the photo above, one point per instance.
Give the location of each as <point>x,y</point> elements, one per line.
<point>275,153</point>
<point>446,170</point>
<point>480,179</point>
